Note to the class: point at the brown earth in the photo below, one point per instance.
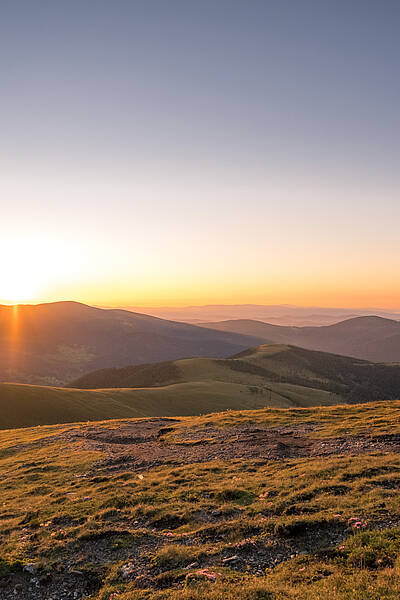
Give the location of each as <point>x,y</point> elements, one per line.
<point>141,445</point>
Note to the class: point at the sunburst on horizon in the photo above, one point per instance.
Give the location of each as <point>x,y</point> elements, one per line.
<point>16,289</point>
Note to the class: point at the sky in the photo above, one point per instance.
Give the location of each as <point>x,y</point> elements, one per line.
<point>190,152</point>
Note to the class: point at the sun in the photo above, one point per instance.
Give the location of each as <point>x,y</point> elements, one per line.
<point>16,288</point>
<point>29,266</point>
<point>18,280</point>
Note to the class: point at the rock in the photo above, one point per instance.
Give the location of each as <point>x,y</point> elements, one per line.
<point>30,568</point>
<point>230,559</point>
<point>127,570</point>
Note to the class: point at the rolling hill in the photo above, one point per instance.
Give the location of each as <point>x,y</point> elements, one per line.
<point>23,405</point>
<point>53,343</point>
<point>269,375</point>
<point>370,337</point>
<point>349,378</point>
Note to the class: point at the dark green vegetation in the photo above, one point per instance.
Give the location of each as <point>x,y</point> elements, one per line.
<point>50,344</point>
<point>281,376</point>
<point>297,504</point>
<point>148,375</point>
<point>351,379</point>
<point>371,338</point>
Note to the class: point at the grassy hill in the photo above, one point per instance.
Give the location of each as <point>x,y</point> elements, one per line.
<point>269,375</point>
<point>350,379</point>
<point>24,405</point>
<point>370,337</point>
<point>295,504</point>
<point>51,344</point>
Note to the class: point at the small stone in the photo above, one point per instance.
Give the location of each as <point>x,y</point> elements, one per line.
<point>230,559</point>
<point>30,568</point>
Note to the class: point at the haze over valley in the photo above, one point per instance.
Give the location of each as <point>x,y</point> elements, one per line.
<point>281,314</point>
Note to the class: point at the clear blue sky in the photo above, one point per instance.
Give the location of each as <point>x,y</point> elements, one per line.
<point>177,151</point>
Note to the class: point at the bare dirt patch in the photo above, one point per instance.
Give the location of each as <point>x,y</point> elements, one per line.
<point>140,445</point>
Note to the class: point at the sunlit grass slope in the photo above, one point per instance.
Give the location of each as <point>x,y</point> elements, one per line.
<point>351,379</point>
<point>23,405</point>
<point>296,529</point>
<point>270,375</point>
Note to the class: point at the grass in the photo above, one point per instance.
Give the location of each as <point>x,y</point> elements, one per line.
<point>25,405</point>
<point>174,533</point>
<point>330,421</point>
<point>275,376</point>
<point>347,378</point>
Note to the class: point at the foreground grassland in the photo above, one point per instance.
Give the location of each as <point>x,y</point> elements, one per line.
<point>268,504</point>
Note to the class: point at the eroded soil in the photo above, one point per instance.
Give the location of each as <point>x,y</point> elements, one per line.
<point>142,445</point>
<point>134,447</point>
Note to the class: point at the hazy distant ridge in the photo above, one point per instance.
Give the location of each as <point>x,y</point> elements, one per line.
<point>54,343</point>
<point>280,314</point>
<point>371,337</point>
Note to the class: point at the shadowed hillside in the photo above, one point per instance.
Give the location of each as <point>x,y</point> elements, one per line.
<point>54,343</point>
<point>351,379</point>
<point>270,375</point>
<point>371,338</point>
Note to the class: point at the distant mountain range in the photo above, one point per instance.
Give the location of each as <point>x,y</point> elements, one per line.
<point>53,343</point>
<point>371,338</point>
<point>280,314</point>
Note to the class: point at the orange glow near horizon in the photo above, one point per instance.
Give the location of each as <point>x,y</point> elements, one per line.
<point>50,269</point>
<point>379,301</point>
<point>28,280</point>
<point>112,297</point>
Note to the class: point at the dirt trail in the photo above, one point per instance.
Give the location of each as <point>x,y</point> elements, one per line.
<point>140,445</point>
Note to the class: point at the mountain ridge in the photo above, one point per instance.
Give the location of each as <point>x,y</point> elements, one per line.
<point>371,337</point>
<point>54,342</point>
<point>279,314</point>
<point>351,378</point>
